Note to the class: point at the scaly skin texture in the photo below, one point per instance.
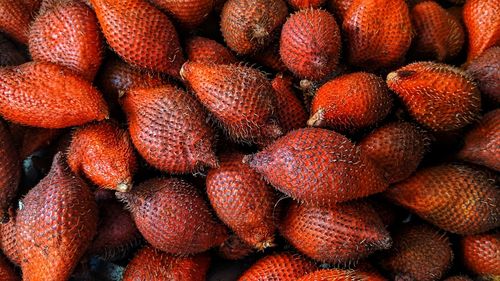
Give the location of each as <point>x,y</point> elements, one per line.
<point>9,54</point>
<point>310,44</point>
<point>481,254</point>
<point>368,272</point>
<point>7,271</point>
<point>456,198</point>
<point>482,21</point>
<point>332,275</point>
<point>270,58</point>
<point>458,278</point>
<point>188,13</point>
<point>46,95</point>
<point>485,70</point>
<point>201,49</point>
<point>289,109</point>
<point>303,4</point>
<point>339,8</point>
<point>8,242</point>
<point>319,167</point>
<point>15,20</point>
<point>10,171</point>
<point>282,266</point>
<point>438,96</point>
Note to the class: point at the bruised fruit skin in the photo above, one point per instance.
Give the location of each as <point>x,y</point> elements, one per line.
<point>169,129</point>
<point>290,111</point>
<point>10,171</point>
<point>173,217</point>
<point>303,4</point>
<point>55,225</point>
<point>438,96</point>
<point>103,152</point>
<point>485,69</point>
<point>481,254</point>
<point>339,8</point>
<point>457,198</point>
<point>200,49</point>
<point>15,20</point>
<point>189,13</point>
<point>319,167</point>
<point>235,249</point>
<point>310,44</point>
<point>46,95</point>
<point>249,25</point>
<point>332,275</point>
<point>281,266</point>
<point>7,271</point>
<point>9,54</point>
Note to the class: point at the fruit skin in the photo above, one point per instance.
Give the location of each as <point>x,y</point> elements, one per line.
<point>304,4</point>
<point>310,44</point>
<point>481,253</point>
<point>133,26</point>
<point>56,225</point>
<point>339,8</point>
<point>7,272</point>
<point>10,171</point>
<point>270,58</point>
<point>455,197</point>
<point>368,272</point>
<point>31,139</point>
<point>8,243</point>
<point>318,167</point>
<point>15,20</point>
<point>341,234</point>
<point>104,153</point>
<point>9,54</point>
<point>173,217</point>
<point>485,69</point>
<point>250,25</point>
<point>381,46</point>
<point>458,278</point>
<point>289,109</point>
<point>46,95</point>
<point>169,129</point>
<point>201,49</point>
<point>332,275</point>
<point>150,264</point>
<point>234,248</point>
<point>481,19</point>
<point>188,13</point>
<point>438,96</point>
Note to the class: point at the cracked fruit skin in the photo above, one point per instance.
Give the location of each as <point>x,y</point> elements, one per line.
<point>281,266</point>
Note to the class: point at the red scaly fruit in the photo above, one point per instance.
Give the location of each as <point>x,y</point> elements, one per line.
<point>9,54</point>
<point>173,216</point>
<point>289,110</point>
<point>304,4</point>
<point>368,272</point>
<point>234,248</point>
<point>310,44</point>
<point>457,198</point>
<point>281,266</point>
<point>482,21</point>
<point>188,13</point>
<point>46,95</point>
<point>55,225</point>
<point>10,171</point>
<point>419,253</point>
<point>201,49</point>
<point>250,25</point>
<point>15,20</point>
<point>439,96</point>
<point>332,275</point>
<point>458,278</point>
<point>169,129</point>
<point>378,45</point>
<point>7,271</point>
<point>481,254</point>
<point>339,8</point>
<point>8,242</point>
<point>140,34</point>
<point>485,70</point>
<point>270,58</point>
<point>239,97</point>
<point>319,167</point>
<point>341,234</point>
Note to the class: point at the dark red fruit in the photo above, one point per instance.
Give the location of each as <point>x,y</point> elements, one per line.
<point>290,111</point>
<point>8,244</point>
<point>7,271</point>
<point>189,13</point>
<point>282,266</point>
<point>10,171</point>
<point>481,254</point>
<point>481,19</point>
<point>15,20</point>
<point>304,4</point>
<point>200,49</point>
<point>31,139</point>
<point>270,58</point>
<point>9,54</point>
<point>485,70</point>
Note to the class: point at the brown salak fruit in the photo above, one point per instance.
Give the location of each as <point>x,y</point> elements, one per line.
<point>289,109</point>
<point>481,254</point>
<point>104,153</point>
<point>55,225</point>
<point>270,58</point>
<point>9,54</point>
<point>234,248</point>
<point>339,8</point>
<point>332,275</point>
<point>188,13</point>
<point>379,45</point>
<point>438,96</point>
<point>482,21</point>
<point>249,25</point>
<point>397,148</point>
<point>310,44</point>
<point>304,4</point>
<point>341,234</point>
<point>15,20</point>
<point>201,49</point>
<point>439,35</point>
<point>173,216</point>
<point>319,167</point>
<point>10,171</point>
<point>458,278</point>
<point>46,95</point>
<point>485,70</point>
<point>281,266</point>
<point>8,242</point>
<point>7,271</point>
<point>419,253</point>
<point>240,98</point>
<point>482,143</point>
<point>169,129</point>
<point>457,198</point>
<point>243,200</point>
<point>351,102</point>
<point>140,34</point>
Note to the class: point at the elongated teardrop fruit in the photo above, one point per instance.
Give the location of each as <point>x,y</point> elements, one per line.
<point>55,225</point>
<point>140,34</point>
<point>456,198</point>
<point>169,129</point>
<point>173,216</point>
<point>10,171</point>
<point>249,25</point>
<point>319,167</point>
<point>9,54</point>
<point>310,44</point>
<point>200,49</point>
<point>8,239</point>
<point>239,97</point>
<point>281,266</point>
<point>481,254</point>
<point>47,95</point>
<point>290,110</point>
<point>7,271</point>
<point>481,20</point>
<point>103,152</point>
<point>438,96</point>
<point>303,4</point>
<point>332,275</point>
<point>485,70</point>
<point>15,20</point>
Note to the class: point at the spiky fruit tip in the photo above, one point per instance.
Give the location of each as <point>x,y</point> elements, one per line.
<point>124,187</point>
<point>317,119</point>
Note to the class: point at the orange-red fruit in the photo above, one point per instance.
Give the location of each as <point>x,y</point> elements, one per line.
<point>169,129</point>
<point>351,102</point>
<point>456,198</point>
<point>7,271</point>
<point>319,167</point>
<point>10,171</point>
<point>55,225</point>
<point>339,8</point>
<point>239,97</point>
<point>332,275</point>
<point>379,32</point>
<point>438,96</point>
<point>341,234</point>
<point>173,216</point>
<point>46,95</point>
<point>234,248</point>
<point>303,4</point>
<point>188,13</point>
<point>15,20</point>
<point>485,70</point>
<point>289,110</point>
<point>200,49</point>
<point>397,148</point>
<point>8,242</point>
<point>150,264</point>
<point>419,253</point>
<point>368,272</point>
<point>9,54</point>
<point>481,254</point>
<point>310,44</point>
<point>281,266</point>
<point>249,25</point>
<point>140,34</point>
<point>482,21</point>
<point>103,152</point>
